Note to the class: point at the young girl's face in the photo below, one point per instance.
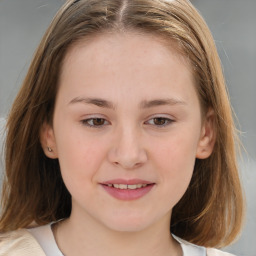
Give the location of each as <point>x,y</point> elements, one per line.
<point>127,129</point>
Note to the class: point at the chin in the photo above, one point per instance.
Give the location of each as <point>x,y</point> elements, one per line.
<point>127,224</point>
<point>128,228</point>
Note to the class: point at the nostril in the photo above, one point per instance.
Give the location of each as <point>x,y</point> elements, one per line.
<point>127,156</point>
<point>127,165</point>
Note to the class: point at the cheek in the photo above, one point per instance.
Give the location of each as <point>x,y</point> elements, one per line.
<point>175,160</point>
<point>79,156</point>
<point>176,151</point>
<point>79,165</point>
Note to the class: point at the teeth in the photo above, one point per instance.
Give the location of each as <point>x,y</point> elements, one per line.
<point>122,186</point>
<point>132,186</point>
<point>125,186</point>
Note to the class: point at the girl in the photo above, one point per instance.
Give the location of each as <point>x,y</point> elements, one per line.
<point>121,139</point>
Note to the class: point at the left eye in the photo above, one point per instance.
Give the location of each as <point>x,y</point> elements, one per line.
<point>95,122</point>
<point>159,121</point>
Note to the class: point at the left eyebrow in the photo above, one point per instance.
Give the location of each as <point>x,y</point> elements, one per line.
<point>161,102</point>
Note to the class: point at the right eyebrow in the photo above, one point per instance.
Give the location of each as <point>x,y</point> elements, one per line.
<point>94,101</point>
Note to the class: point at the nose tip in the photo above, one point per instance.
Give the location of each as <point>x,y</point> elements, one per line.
<point>129,163</point>
<point>128,153</point>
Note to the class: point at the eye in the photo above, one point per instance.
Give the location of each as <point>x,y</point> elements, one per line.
<point>160,121</point>
<point>95,122</point>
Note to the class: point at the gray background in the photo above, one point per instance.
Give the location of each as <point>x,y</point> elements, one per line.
<point>23,22</point>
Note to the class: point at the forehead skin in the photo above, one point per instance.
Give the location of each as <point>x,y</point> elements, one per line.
<point>105,51</point>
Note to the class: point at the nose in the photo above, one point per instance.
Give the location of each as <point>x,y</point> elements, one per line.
<point>127,150</point>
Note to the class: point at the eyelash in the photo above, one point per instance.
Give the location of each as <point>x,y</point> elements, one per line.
<point>86,122</point>
<point>166,122</point>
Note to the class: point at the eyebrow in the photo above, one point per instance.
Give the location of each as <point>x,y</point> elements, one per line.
<point>94,101</point>
<point>161,102</point>
<point>144,104</point>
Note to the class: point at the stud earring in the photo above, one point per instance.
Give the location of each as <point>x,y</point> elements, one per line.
<point>49,149</point>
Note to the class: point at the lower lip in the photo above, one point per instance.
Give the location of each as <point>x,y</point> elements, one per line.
<point>128,194</point>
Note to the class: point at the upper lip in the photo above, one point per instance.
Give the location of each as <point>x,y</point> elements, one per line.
<point>128,182</point>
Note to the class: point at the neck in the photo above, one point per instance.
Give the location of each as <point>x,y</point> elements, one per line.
<point>90,238</point>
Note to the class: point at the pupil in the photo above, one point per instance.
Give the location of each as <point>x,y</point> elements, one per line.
<point>159,121</point>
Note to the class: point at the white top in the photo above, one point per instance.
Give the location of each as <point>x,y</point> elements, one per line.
<point>45,238</point>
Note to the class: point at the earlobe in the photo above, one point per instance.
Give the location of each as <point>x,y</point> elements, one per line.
<point>208,136</point>
<point>47,140</point>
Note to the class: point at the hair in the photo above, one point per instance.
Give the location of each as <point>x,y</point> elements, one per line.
<point>211,211</point>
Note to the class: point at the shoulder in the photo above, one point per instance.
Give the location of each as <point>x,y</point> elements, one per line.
<point>215,252</point>
<point>190,249</point>
<point>19,243</point>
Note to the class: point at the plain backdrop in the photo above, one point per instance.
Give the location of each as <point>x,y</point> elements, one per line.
<point>232,22</point>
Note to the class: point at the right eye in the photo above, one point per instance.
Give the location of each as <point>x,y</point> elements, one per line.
<point>95,122</point>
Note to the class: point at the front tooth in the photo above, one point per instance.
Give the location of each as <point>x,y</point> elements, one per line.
<point>132,186</point>
<point>125,186</point>
<point>122,186</point>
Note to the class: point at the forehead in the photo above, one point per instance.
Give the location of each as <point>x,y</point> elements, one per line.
<point>125,61</point>
<point>108,45</point>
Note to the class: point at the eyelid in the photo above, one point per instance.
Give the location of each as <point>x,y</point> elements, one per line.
<point>169,120</point>
<point>85,121</point>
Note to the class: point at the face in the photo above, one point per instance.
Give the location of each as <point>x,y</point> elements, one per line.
<point>127,129</point>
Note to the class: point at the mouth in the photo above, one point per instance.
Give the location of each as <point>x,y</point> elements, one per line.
<point>127,190</point>
<point>126,186</point>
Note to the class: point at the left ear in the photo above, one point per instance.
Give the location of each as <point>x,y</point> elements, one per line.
<point>208,136</point>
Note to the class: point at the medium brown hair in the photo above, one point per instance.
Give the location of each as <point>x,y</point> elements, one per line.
<point>210,212</point>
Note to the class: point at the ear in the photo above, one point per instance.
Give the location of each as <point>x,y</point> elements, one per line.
<point>208,136</point>
<point>48,142</point>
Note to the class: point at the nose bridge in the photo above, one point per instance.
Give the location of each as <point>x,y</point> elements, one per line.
<point>128,150</point>
<point>129,141</point>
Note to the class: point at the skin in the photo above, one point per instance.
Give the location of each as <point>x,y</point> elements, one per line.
<point>135,137</point>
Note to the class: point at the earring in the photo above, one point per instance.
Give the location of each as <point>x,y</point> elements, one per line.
<point>49,149</point>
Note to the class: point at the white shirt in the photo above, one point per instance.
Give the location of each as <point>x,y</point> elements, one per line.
<point>45,238</point>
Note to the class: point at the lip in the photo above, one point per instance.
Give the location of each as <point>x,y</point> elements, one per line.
<point>127,194</point>
<point>128,182</point>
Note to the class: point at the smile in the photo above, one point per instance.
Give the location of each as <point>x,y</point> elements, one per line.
<point>127,189</point>
<point>126,186</point>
